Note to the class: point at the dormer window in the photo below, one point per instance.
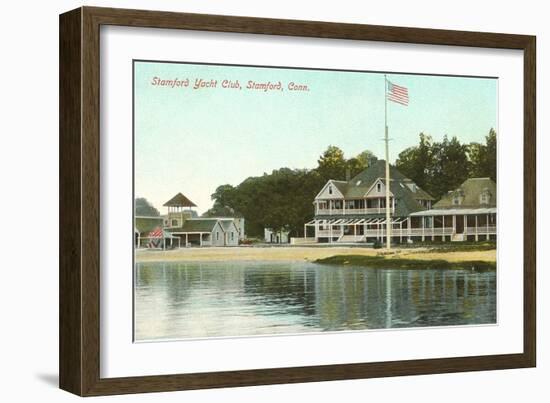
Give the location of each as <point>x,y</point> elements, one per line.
<point>330,190</point>
<point>174,223</point>
<point>485,197</point>
<point>458,197</point>
<point>378,187</point>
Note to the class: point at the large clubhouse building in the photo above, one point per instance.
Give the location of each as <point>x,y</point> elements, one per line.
<point>354,211</point>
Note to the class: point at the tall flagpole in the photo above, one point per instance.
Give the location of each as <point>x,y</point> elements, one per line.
<point>386,139</point>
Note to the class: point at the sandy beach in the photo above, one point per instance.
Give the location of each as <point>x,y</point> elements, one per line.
<point>304,253</point>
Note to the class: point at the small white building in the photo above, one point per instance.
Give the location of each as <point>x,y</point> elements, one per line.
<point>271,236</point>
<point>239,223</point>
<point>207,232</point>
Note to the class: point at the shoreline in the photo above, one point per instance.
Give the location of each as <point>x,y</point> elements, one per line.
<point>422,256</point>
<point>405,263</point>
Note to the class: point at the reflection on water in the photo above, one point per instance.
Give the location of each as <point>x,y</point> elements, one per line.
<point>179,300</point>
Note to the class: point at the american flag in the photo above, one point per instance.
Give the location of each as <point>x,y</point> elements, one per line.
<point>154,237</point>
<point>398,94</point>
<point>156,233</point>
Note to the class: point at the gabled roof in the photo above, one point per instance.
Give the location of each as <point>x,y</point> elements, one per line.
<point>179,200</point>
<point>360,184</point>
<point>470,190</point>
<point>145,224</point>
<point>400,187</point>
<point>196,225</point>
<point>342,186</point>
<point>227,225</point>
<point>377,170</point>
<point>406,199</point>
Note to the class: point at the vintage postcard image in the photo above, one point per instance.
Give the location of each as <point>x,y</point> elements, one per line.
<point>271,200</point>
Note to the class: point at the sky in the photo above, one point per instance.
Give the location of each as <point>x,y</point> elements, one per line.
<point>192,140</point>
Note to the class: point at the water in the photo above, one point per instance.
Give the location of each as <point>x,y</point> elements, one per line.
<point>182,300</point>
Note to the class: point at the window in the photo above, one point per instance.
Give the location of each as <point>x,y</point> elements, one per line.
<point>456,200</point>
<point>330,190</point>
<point>217,236</point>
<point>485,197</point>
<point>174,223</point>
<point>232,234</point>
<point>378,187</point>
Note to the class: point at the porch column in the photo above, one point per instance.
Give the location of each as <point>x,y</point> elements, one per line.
<point>344,207</point>
<point>443,228</point>
<point>433,228</point>
<point>186,239</point>
<point>476,237</point>
<point>454,224</point>
<point>409,227</point>
<point>466,226</point>
<point>355,232</point>
<point>200,238</point>
<point>400,231</point>
<point>487,222</point>
<point>305,232</point>
<point>330,207</point>
<point>365,205</point>
<point>330,232</point>
<point>423,219</point>
<point>379,205</point>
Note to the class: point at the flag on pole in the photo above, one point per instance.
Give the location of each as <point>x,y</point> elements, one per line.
<point>155,237</point>
<point>398,94</point>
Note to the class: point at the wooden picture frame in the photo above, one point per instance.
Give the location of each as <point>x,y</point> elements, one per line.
<point>79,280</point>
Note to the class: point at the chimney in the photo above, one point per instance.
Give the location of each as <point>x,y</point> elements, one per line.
<point>348,174</point>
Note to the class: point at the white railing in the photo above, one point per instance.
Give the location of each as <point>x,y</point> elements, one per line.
<point>403,232</point>
<point>352,211</point>
<point>382,231</point>
<point>431,231</point>
<point>351,238</point>
<point>327,233</point>
<point>482,229</point>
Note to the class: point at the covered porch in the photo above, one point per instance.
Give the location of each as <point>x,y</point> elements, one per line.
<point>354,230</point>
<point>199,238</point>
<point>454,225</point>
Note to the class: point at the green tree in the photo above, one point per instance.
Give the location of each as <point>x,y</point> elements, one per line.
<point>436,167</point>
<point>144,208</point>
<point>449,166</point>
<point>483,157</point>
<point>332,164</point>
<point>416,162</point>
<point>366,158</point>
